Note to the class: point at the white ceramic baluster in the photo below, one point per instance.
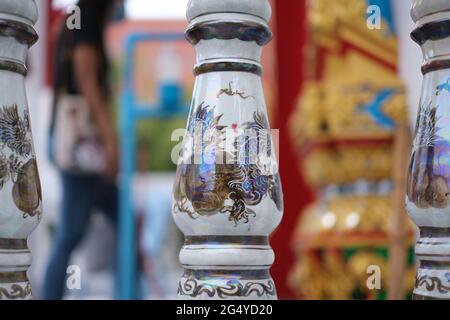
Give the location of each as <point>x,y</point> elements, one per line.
<point>227,196</point>
<point>428,196</point>
<point>20,190</point>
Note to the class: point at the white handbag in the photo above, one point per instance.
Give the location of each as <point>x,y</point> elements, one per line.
<point>77,146</point>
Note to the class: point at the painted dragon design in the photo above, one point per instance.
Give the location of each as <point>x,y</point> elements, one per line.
<point>211,187</point>
<point>230,92</point>
<point>17,164</point>
<point>14,130</point>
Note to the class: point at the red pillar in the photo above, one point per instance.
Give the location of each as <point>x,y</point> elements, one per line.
<point>290,37</point>
<point>53,26</point>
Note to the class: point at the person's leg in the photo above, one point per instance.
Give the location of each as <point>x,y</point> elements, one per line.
<point>107,199</point>
<point>76,207</point>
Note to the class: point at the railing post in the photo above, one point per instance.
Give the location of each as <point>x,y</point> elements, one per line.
<point>227,195</point>
<point>20,189</point>
<point>428,190</point>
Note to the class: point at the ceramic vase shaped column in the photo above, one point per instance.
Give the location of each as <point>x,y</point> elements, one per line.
<point>428,196</point>
<point>20,191</point>
<point>227,195</point>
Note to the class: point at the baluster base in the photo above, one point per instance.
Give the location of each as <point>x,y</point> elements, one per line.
<point>227,267</point>
<point>15,259</point>
<point>227,284</point>
<point>433,275</point>
<point>15,291</point>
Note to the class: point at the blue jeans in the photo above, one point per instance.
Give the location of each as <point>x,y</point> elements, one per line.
<point>80,197</point>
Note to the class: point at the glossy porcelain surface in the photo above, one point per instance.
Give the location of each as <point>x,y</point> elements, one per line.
<point>428,188</point>
<point>227,195</point>
<point>20,189</point>
<point>259,8</point>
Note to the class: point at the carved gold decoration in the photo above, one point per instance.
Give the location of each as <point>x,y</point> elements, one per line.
<point>345,127</point>
<point>333,21</point>
<point>346,220</point>
<point>340,164</point>
<point>327,275</point>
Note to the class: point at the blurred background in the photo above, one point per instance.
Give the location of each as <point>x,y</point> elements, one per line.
<point>343,96</point>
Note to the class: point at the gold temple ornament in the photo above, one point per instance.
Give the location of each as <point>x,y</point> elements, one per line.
<point>346,128</point>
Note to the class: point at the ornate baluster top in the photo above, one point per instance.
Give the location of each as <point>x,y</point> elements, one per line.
<point>259,8</point>
<point>432,30</point>
<point>17,18</point>
<point>425,8</point>
<point>25,11</point>
<point>238,29</point>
